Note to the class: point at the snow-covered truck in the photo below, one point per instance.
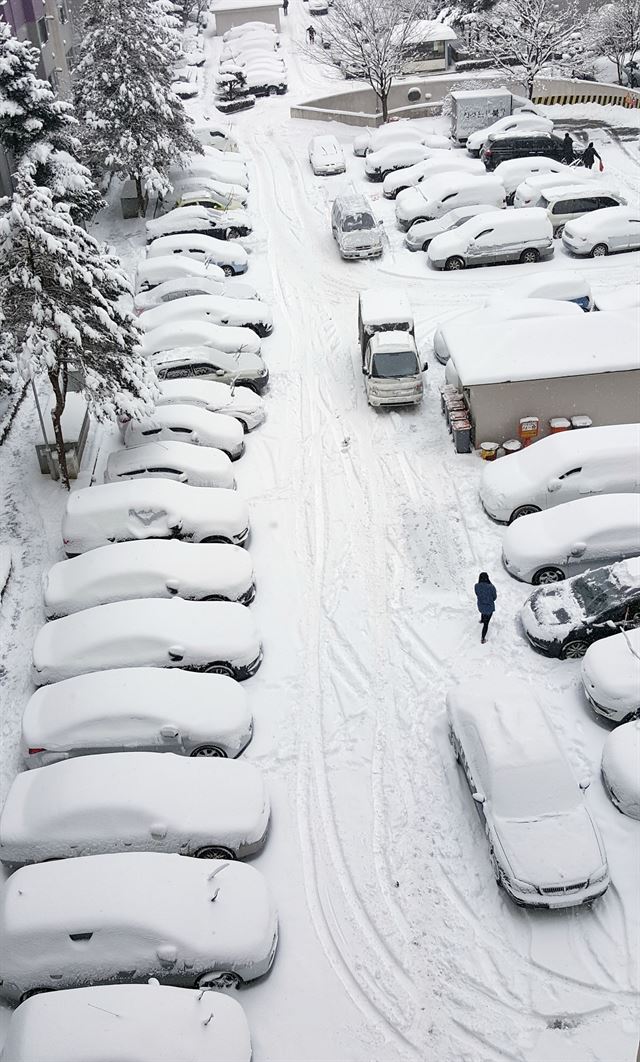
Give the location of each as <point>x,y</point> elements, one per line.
<point>390,361</point>
<point>474,109</point>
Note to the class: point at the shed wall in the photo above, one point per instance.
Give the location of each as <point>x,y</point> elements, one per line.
<point>226,20</point>
<point>608,398</point>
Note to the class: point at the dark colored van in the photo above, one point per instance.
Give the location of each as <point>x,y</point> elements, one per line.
<point>518,145</point>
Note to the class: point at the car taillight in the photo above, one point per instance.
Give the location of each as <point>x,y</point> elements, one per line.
<point>32,752</point>
<point>487,152</point>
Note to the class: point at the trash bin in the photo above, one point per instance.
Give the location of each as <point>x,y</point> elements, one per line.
<point>488,451</point>
<point>461,430</point>
<point>511,446</point>
<point>528,430</point>
<point>452,406</point>
<point>581,422</point>
<point>558,424</point>
<point>446,394</point>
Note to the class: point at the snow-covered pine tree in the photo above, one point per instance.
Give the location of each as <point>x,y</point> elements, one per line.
<point>62,308</point>
<point>135,124</point>
<point>40,132</point>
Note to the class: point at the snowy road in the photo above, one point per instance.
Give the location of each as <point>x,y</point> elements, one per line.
<point>396,945</point>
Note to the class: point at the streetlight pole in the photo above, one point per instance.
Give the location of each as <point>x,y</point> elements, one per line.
<point>44,432</point>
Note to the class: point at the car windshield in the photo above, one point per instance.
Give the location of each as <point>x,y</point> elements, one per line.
<point>533,789</point>
<point>356,222</point>
<point>595,592</point>
<point>391,366</point>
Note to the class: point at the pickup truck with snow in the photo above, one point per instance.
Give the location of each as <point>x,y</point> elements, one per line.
<point>390,361</point>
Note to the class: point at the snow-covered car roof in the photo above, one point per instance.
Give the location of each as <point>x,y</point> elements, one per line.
<point>229,173</point>
<point>384,306</point>
<point>247,28</point>
<point>212,395</point>
<point>186,185</point>
<point>202,463</point>
<point>181,287</point>
<point>410,151</point>
<point>562,285</point>
<point>124,701</point>
<point>430,167</point>
<point>236,362</point>
<point>536,182</point>
<point>42,904</point>
<point>403,130</point>
<point>128,1023</point>
<point>179,218</point>
<point>620,760</point>
<point>94,801</point>
<point>224,251</point>
<point>562,527</point>
<point>555,454</point>
<point>196,418</point>
<point>552,191</point>
<point>611,671</point>
<point>547,348</point>
<point>605,220</point>
<point>216,308</point>
<point>153,271</point>
<point>511,123</point>
<point>144,633</point>
<point>139,503</point>
<point>624,298</point>
<point>189,332</point>
<point>125,570</point>
<point>520,134</point>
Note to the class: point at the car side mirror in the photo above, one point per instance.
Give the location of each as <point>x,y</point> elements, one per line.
<point>158,830</point>
<point>176,652</point>
<point>554,484</point>
<point>168,954</point>
<point>584,784</point>
<point>425,366</point>
<point>479,798</point>
<point>219,372</point>
<point>195,439</point>
<point>169,732</point>
<point>578,549</point>
<point>172,586</point>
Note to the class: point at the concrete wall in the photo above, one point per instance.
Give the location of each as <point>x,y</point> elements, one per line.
<point>608,398</point>
<point>359,105</point>
<point>226,20</point>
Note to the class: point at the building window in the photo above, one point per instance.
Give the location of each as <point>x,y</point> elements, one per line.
<point>43,32</point>
<point>62,11</point>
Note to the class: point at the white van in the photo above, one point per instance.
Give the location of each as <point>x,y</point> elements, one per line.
<point>561,468</point>
<point>355,228</point>
<point>493,238</point>
<point>529,191</point>
<point>442,193</point>
<point>563,204</point>
<point>326,156</point>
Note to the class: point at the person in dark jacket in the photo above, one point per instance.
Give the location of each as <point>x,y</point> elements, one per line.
<point>285,6</point>
<point>589,155</point>
<point>486,595</point>
<point>311,34</point>
<point>567,150</point>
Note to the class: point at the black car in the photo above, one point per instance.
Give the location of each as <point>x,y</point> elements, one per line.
<point>519,145</point>
<point>563,619</point>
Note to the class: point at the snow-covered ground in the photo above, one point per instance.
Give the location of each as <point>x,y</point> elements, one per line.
<point>396,945</point>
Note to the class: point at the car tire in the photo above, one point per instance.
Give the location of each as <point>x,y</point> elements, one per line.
<point>220,669</point>
<point>223,979</point>
<point>416,220</point>
<point>214,539</point>
<point>600,250</point>
<point>544,576</point>
<point>398,190</point>
<point>574,649</point>
<point>232,234</point>
<point>530,256</point>
<point>35,992</point>
<point>213,752</point>
<point>523,510</point>
<point>557,233</point>
<point>425,245</point>
<point>228,271</point>
<point>272,90</point>
<point>214,851</point>
<point>455,262</point>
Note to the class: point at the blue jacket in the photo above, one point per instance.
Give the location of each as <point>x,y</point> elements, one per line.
<point>486,595</point>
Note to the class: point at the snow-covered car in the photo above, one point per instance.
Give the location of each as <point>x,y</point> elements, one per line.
<point>326,156</point>
<point>513,172</point>
<point>138,801</point>
<point>241,403</point>
<point>611,676</point>
<point>529,192</point>
<point>244,62</point>
<point>216,636</point>
<point>421,233</point>
<point>200,466</point>
<point>565,286</point>
<point>255,44</point>
<point>443,192</point>
<point>561,468</point>
<point>217,134</point>
<point>318,7</point>
<point>123,571</point>
<point>587,533</point>
<point>601,232</point>
<point>447,336</point>
<point>392,133</point>
<point>221,224</point>
<point>128,1023</point>
<point>265,81</point>
<point>186,90</point>
<point>571,202</point>
<point>495,238</point>
<point>154,271</point>
<point>510,124</point>
<point>410,176</point>
<point>566,618</point>
<point>201,191</point>
<point>620,768</point>
<point>187,424</point>
<point>398,156</point>
<point>207,363</point>
<point>132,916</point>
<point>626,297</point>
<point>228,255</point>
<point>152,508</point>
<point>213,167</point>
<point>183,287</point>
<point>545,848</point>
<point>138,709</point>
<point>247,29</point>
<point>194,331</point>
<point>235,313</point>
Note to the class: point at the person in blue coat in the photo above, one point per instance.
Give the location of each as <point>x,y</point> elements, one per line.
<point>486,595</point>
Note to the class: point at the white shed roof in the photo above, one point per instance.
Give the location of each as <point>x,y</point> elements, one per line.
<point>547,348</point>
<point>429,30</point>
<point>244,5</point>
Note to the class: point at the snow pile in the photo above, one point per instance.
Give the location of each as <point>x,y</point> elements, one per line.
<point>621,767</point>
<point>611,674</point>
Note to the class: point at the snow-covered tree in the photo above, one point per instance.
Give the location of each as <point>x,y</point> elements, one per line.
<point>371,37</point>
<point>40,132</point>
<point>135,124</point>
<point>191,11</point>
<point>615,32</point>
<point>524,36</point>
<point>61,299</point>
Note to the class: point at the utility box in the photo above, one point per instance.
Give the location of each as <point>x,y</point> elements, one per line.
<point>129,200</point>
<point>477,108</point>
<point>75,428</point>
